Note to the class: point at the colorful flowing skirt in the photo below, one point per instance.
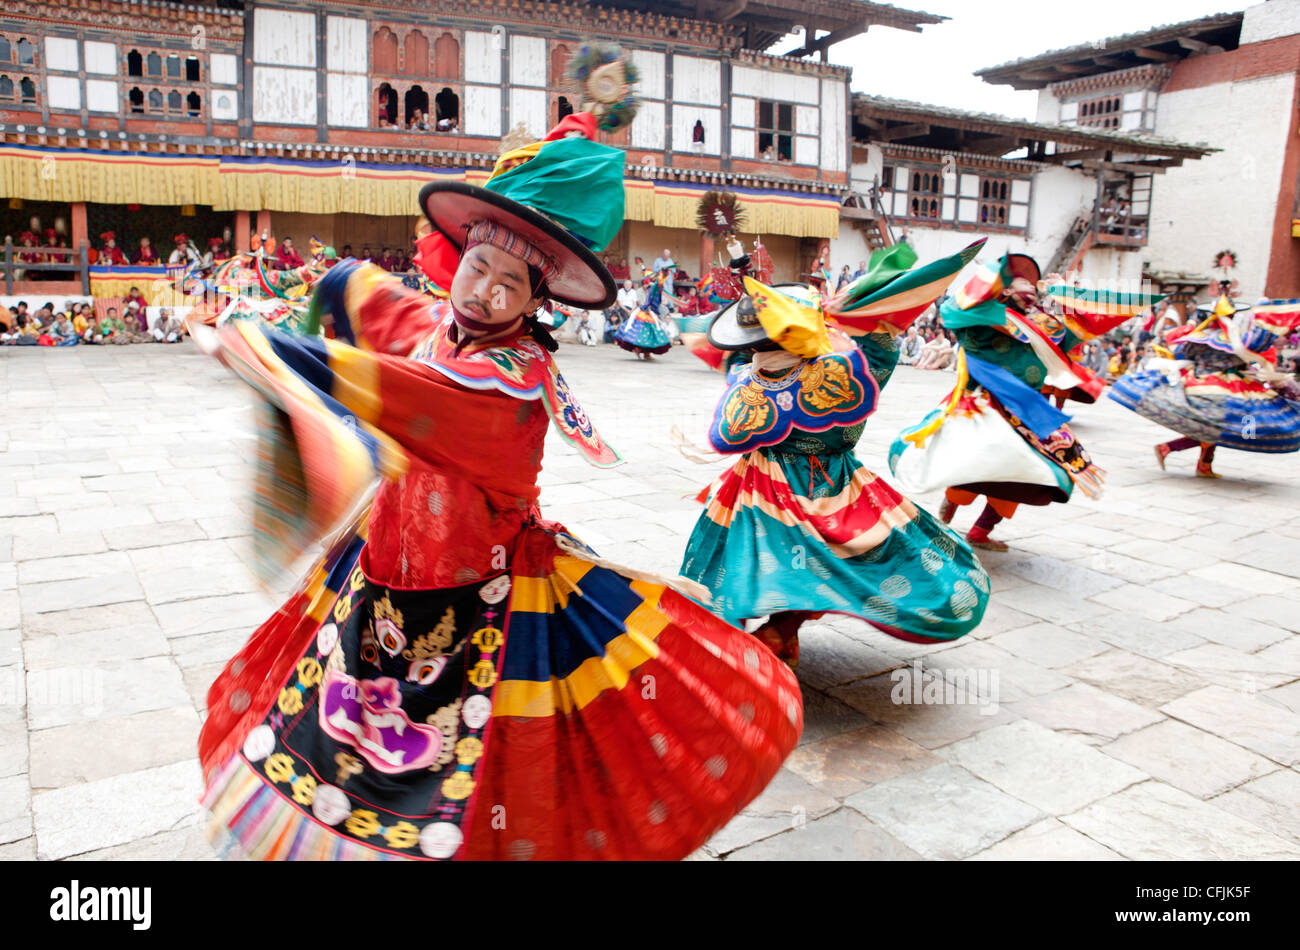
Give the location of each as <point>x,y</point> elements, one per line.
<point>783,531</point>
<point>983,448</point>
<point>1225,409</point>
<point>642,332</point>
<point>561,709</point>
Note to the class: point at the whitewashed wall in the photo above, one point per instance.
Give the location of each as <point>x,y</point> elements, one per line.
<point>64,92</point>
<point>648,125</point>
<point>284,96</point>
<point>527,61</point>
<point>101,58</point>
<point>284,77</point>
<point>347,86</point>
<point>284,37</point>
<point>101,95</point>
<point>1227,199</point>
<point>482,110</point>
<point>684,118</point>
<point>773,84</point>
<point>528,106</point>
<point>1267,21</point>
<point>482,57</point>
<point>834,119</point>
<point>224,69</point>
<point>697,81</point>
<point>1059,195</point>
<point>481,104</point>
<point>61,53</point>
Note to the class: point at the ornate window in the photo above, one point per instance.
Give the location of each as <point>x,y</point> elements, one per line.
<point>775,130</point>
<point>387,104</point>
<point>26,53</point>
<point>1102,113</point>
<point>384,52</point>
<point>446,55</point>
<point>134,63</point>
<point>153,64</point>
<point>415,100</point>
<point>447,106</point>
<point>416,59</point>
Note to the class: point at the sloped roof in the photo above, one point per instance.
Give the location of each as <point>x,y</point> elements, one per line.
<point>1158,44</point>
<point>1000,127</point>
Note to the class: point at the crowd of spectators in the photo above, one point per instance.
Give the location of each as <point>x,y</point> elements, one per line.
<point>80,323</point>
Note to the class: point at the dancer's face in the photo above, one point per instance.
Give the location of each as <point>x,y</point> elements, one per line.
<point>492,286</point>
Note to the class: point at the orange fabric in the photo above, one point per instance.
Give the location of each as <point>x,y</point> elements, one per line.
<point>959,496</point>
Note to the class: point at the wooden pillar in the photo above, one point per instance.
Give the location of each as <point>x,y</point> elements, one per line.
<point>79,224</point>
<point>241,232</point>
<point>706,252</point>
<point>264,224</point>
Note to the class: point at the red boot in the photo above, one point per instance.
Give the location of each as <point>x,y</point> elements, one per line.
<point>946,511</point>
<point>979,538</point>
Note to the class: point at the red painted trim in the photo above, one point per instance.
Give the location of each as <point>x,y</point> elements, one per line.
<point>1269,58</point>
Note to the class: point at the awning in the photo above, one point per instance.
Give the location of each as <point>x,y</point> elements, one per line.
<point>232,183</point>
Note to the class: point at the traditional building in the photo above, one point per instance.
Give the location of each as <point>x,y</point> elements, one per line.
<point>1232,81</point>
<point>324,117</point>
<point>944,177</point>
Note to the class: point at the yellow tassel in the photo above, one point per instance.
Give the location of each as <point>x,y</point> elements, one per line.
<point>918,437</point>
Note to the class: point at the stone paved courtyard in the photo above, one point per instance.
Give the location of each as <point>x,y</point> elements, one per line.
<point>1146,647</point>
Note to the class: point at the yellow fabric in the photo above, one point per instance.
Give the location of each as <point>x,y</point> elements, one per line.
<point>1223,307</point>
<point>515,158</point>
<point>108,177</point>
<point>799,329</point>
<point>158,291</point>
<point>777,214</point>
<point>623,654</point>
<point>65,175</point>
<point>918,437</point>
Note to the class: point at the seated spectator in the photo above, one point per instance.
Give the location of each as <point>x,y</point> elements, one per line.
<point>28,331</point>
<point>936,354</point>
<point>80,319</point>
<point>383,122</point>
<point>168,328</point>
<point>110,255</point>
<point>845,278</point>
<point>184,253</point>
<point>365,253</point>
<point>135,297</point>
<point>909,348</point>
<point>146,256</point>
<point>287,257</point>
<point>10,325</point>
<point>58,333</point>
<point>136,323</point>
<point>112,329</point>
<point>347,251</point>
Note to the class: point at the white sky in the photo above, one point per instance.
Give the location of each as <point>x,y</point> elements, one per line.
<point>935,65</point>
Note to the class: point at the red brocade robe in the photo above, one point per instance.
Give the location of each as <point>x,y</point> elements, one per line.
<point>626,721</point>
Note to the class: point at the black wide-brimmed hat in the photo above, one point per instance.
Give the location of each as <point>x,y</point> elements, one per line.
<point>578,277</point>
<point>736,326</point>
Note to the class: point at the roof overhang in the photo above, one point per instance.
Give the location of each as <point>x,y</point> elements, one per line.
<point>1161,44</point>
<point>878,120</point>
<point>760,24</point>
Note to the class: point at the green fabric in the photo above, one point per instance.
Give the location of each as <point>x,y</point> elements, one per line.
<point>994,346</point>
<point>921,578</point>
<point>886,264</point>
<point>882,355</point>
<point>990,313</point>
<point>576,183</point>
